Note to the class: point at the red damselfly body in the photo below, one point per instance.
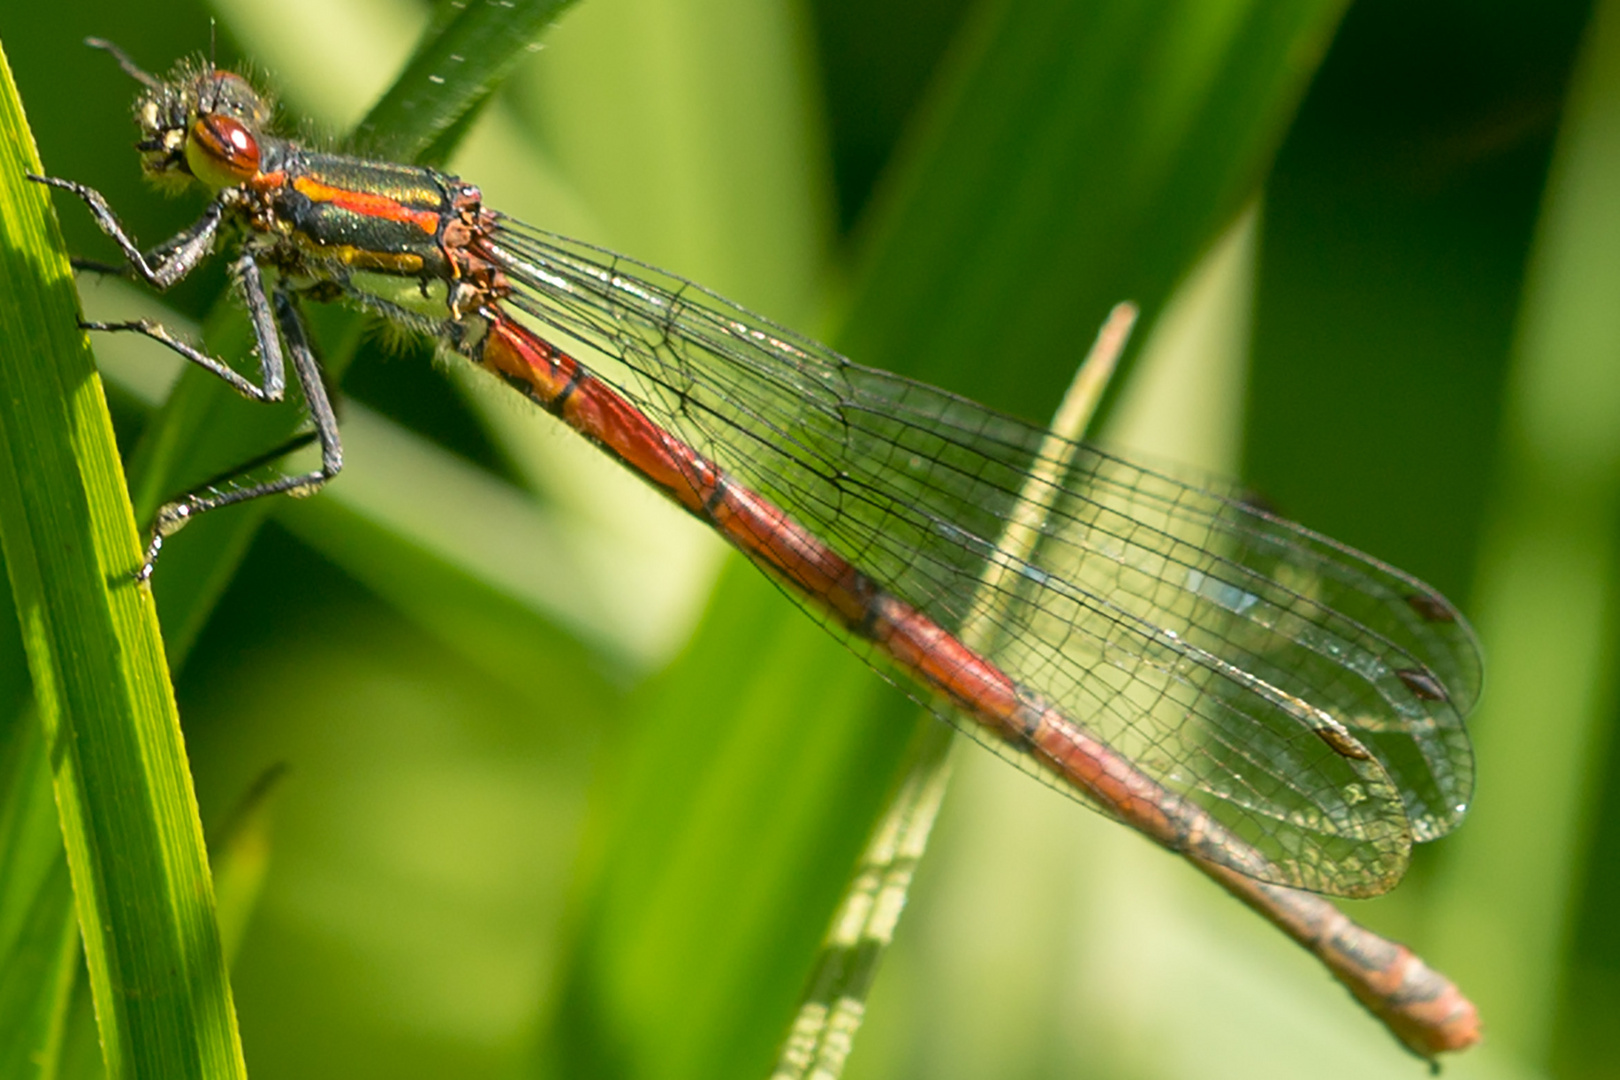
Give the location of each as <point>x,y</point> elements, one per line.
<point>1277,708</point>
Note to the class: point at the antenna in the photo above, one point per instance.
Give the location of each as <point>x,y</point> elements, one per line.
<point>132,69</point>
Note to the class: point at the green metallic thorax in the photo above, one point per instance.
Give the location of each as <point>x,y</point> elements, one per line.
<point>376,227</point>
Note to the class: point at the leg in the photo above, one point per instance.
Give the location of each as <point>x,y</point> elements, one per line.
<point>292,444</point>
<point>169,261</point>
<point>272,366</point>
<point>172,517</point>
<point>274,319</point>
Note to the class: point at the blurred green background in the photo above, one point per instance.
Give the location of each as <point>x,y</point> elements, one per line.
<point>569,793</point>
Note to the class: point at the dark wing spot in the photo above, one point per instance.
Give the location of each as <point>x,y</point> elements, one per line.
<point>1433,607</point>
<point>1344,744</point>
<point>1422,684</point>
<point>1259,501</point>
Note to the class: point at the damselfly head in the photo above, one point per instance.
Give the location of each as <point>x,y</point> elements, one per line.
<point>199,123</point>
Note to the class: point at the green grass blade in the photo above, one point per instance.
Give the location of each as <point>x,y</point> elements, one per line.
<point>455,69</point>
<point>862,929</point>
<point>1101,149</point>
<point>129,817</point>
<point>1422,298</point>
<point>1546,608</point>
<point>39,936</point>
<point>241,855</point>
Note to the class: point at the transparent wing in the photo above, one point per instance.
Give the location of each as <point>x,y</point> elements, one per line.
<point>1309,697</point>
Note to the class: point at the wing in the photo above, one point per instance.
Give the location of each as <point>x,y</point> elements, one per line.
<point>1307,696</point>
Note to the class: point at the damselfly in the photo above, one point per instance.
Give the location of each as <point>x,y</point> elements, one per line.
<point>1279,709</point>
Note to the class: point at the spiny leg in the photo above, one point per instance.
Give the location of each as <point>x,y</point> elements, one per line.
<point>272,365</point>
<point>169,261</point>
<point>174,516</point>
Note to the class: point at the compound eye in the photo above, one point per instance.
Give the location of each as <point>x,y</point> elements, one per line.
<point>234,96</point>
<point>222,152</point>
